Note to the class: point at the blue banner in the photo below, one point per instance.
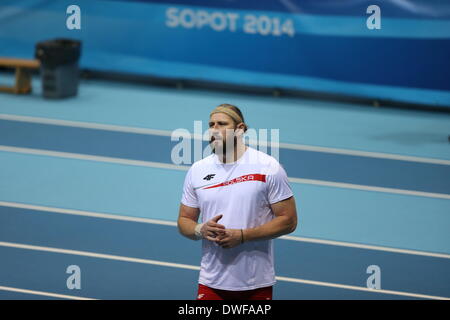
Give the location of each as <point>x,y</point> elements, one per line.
<point>391,49</point>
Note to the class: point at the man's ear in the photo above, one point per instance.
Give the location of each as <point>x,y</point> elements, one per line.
<point>240,128</point>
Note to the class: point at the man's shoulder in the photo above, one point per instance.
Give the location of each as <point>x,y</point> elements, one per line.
<point>262,158</point>
<point>207,161</point>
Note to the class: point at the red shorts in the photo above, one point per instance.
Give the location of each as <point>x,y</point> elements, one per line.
<point>207,293</point>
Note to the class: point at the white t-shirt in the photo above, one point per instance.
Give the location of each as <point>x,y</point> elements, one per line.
<point>242,192</point>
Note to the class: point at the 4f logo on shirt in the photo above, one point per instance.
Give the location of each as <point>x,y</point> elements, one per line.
<point>209,177</point>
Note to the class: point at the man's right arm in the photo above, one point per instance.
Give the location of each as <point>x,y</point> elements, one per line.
<point>187,222</point>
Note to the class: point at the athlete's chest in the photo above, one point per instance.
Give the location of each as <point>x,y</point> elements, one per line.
<point>230,185</point>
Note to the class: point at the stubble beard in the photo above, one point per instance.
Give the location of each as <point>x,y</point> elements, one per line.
<point>224,148</point>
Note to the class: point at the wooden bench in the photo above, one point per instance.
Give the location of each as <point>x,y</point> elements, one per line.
<point>23,68</point>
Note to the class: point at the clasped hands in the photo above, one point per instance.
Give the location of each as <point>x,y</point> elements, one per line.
<point>215,232</point>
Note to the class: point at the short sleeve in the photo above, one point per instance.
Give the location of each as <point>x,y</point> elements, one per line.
<point>278,185</point>
<point>189,197</point>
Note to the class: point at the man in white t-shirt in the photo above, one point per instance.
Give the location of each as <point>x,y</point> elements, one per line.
<point>245,201</point>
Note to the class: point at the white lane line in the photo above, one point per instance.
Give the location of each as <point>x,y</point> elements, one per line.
<point>174,224</point>
<point>77,156</point>
<point>86,213</point>
<point>367,247</point>
<point>342,286</point>
<point>99,255</point>
<point>168,133</point>
<point>368,154</point>
<point>369,188</point>
<point>86,125</point>
<point>43,293</point>
<point>197,268</point>
<point>160,165</point>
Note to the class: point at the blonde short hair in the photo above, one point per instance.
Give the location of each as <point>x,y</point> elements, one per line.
<point>232,111</point>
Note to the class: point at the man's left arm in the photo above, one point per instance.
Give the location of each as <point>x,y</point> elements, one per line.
<point>284,222</point>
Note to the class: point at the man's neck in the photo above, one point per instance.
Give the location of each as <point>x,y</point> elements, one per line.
<point>239,150</point>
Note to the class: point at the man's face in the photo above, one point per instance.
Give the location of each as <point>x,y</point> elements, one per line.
<point>221,130</point>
